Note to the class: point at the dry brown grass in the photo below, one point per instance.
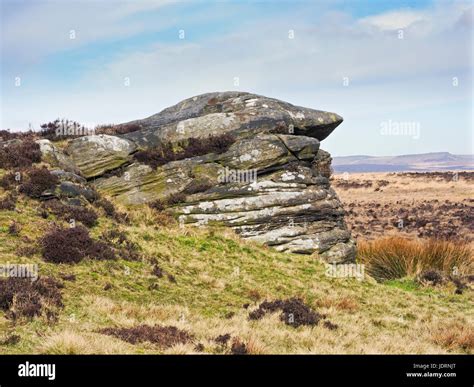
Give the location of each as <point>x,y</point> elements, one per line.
<point>375,211</point>
<point>454,336</point>
<point>396,257</point>
<point>148,217</point>
<point>343,303</point>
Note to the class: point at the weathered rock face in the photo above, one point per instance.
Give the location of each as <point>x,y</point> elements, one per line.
<point>242,114</point>
<point>271,185</point>
<point>96,155</point>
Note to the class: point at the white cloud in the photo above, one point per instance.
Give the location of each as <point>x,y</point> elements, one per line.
<point>388,76</point>
<point>394,20</point>
<point>43,28</point>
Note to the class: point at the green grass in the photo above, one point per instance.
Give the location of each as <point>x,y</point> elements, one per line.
<point>217,273</point>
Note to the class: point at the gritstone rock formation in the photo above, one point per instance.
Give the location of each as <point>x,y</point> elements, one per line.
<point>269,180</point>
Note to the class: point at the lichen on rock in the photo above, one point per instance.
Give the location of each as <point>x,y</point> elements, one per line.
<point>270,185</point>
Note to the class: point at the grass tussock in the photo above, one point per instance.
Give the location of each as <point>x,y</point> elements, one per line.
<point>206,282</point>
<point>454,336</point>
<point>395,257</point>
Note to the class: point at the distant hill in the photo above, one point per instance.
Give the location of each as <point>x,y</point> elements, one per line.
<point>437,161</point>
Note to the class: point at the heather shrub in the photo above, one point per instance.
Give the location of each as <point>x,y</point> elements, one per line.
<point>164,153</point>
<point>66,245</point>
<point>8,203</point>
<point>160,205</point>
<point>117,129</point>
<point>176,199</point>
<point>212,144</point>
<point>6,135</point>
<point>48,130</point>
<point>58,130</point>
<point>107,206</point>
<point>163,336</point>
<point>71,245</point>
<point>14,228</point>
<point>123,247</point>
<point>156,156</point>
<point>197,186</point>
<point>37,181</point>
<point>101,251</point>
<point>110,210</point>
<point>22,297</point>
<point>85,215</point>
<point>157,205</point>
<point>8,181</point>
<point>20,155</point>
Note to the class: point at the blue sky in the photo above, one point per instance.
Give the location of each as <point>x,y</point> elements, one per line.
<point>345,56</point>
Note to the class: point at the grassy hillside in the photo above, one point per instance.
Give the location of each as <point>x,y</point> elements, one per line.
<point>206,282</point>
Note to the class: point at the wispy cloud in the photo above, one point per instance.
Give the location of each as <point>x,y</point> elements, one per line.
<point>387,77</point>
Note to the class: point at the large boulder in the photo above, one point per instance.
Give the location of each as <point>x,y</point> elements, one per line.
<point>239,113</point>
<point>270,185</point>
<point>55,157</point>
<point>98,154</point>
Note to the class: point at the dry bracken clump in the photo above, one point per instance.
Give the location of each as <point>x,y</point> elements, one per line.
<point>454,336</point>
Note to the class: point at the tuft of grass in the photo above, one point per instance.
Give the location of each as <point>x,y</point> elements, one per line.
<point>396,257</point>
<point>454,336</point>
<point>211,281</point>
